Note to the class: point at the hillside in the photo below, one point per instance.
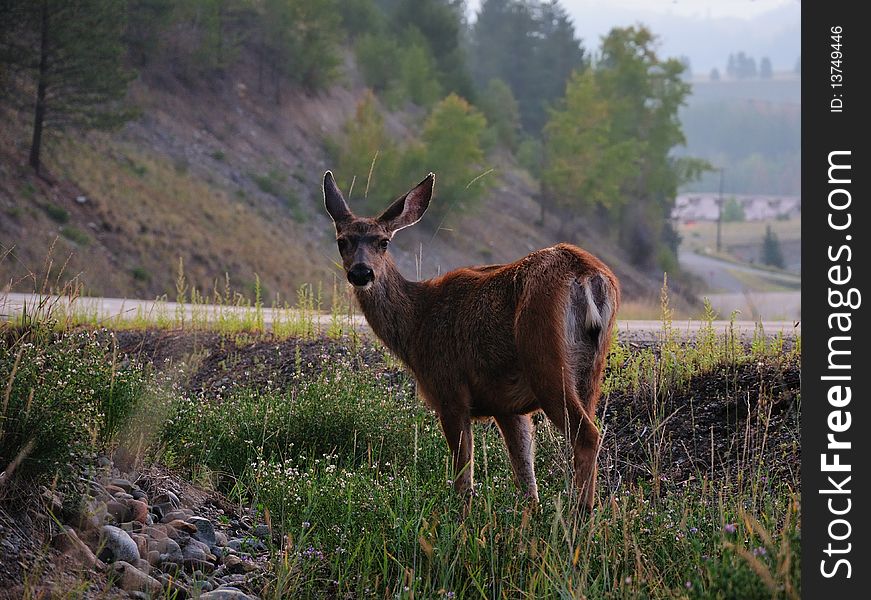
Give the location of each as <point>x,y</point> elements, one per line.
<point>228,181</point>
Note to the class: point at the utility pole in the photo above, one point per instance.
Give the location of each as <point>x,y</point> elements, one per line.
<point>720,211</point>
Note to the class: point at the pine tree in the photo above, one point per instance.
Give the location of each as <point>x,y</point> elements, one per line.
<point>765,70</point>
<point>71,50</point>
<point>771,251</point>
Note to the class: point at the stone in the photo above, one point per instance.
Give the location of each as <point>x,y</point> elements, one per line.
<point>138,510</point>
<point>233,565</point>
<point>169,551</point>
<point>177,515</point>
<point>155,531</point>
<point>114,489</point>
<point>81,199</point>
<point>117,545</point>
<point>69,544</point>
<point>143,565</point>
<point>263,532</point>
<point>182,526</point>
<point>141,543</point>
<point>196,558</point>
<point>226,593</point>
<point>167,497</point>
<point>131,579</point>
<point>205,530</point>
<point>221,538</point>
<point>118,511</point>
<point>153,557</point>
<point>139,495</point>
<point>124,484</point>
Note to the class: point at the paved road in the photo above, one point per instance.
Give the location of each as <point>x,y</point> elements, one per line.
<point>719,274</point>
<point>108,310</point>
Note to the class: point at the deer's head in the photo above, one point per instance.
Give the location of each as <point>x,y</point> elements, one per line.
<point>363,241</point>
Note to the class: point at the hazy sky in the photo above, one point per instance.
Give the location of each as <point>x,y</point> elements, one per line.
<point>705,30</point>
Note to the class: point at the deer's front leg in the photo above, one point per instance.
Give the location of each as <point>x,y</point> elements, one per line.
<point>457,427</point>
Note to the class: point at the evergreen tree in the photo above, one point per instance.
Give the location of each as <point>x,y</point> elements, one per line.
<point>499,106</point>
<point>71,53</point>
<point>532,47</point>
<point>765,70</point>
<point>715,74</point>
<point>771,251</point>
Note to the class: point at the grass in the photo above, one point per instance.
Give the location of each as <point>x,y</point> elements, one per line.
<point>699,235</point>
<point>352,472</point>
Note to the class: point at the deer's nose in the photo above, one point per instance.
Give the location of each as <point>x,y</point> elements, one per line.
<point>360,275</point>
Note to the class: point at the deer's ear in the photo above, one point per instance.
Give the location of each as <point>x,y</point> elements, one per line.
<point>409,209</point>
<point>334,201</point>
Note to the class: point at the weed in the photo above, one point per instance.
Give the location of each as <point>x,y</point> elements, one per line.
<point>75,235</point>
<point>56,213</point>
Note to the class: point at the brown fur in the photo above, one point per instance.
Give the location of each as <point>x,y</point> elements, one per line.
<point>501,341</point>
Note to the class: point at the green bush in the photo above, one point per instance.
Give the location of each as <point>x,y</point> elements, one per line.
<point>56,213</point>
<point>66,398</point>
<point>76,235</point>
<point>733,211</point>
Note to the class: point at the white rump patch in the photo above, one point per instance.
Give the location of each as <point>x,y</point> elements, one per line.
<point>593,319</point>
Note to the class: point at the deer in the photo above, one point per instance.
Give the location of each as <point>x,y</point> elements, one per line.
<point>500,342</point>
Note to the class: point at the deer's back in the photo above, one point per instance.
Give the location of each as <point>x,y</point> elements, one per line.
<point>468,322</point>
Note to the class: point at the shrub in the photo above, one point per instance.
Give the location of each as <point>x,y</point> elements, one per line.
<point>56,213</point>
<point>65,398</point>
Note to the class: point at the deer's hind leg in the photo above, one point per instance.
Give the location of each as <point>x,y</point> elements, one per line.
<point>518,432</point>
<point>545,353</point>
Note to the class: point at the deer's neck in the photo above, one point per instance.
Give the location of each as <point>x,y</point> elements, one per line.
<point>391,307</point>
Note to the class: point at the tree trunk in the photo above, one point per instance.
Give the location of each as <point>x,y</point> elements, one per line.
<point>39,111</point>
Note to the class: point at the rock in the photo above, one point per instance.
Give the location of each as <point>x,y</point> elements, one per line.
<point>139,495</point>
<point>177,515</point>
<point>233,565</point>
<point>114,489</point>
<point>205,530</point>
<point>104,462</point>
<point>153,557</point>
<point>131,579</point>
<point>161,509</point>
<point>169,551</point>
<point>81,199</point>
<point>117,545</point>
<point>167,497</point>
<point>196,558</point>
<point>138,510</point>
<point>69,544</point>
<point>226,593</point>
<point>174,586</point>
<point>221,538</point>
<point>124,484</point>
<point>155,531</point>
<point>182,526</point>
<point>118,511</point>
<point>143,565</point>
<point>263,532</point>
<point>92,516</point>
<point>141,543</point>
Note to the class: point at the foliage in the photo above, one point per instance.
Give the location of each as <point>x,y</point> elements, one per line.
<point>450,145</point>
<point>765,70</point>
<point>363,141</point>
<point>772,254</point>
<point>65,397</point>
<point>502,112</point>
<point>299,40</point>
<point>70,53</point>
<point>529,45</point>
<point>452,148</point>
<point>733,211</point>
<point>609,145</point>
<point>741,66</point>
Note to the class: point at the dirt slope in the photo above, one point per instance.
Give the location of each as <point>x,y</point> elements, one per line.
<point>223,178</point>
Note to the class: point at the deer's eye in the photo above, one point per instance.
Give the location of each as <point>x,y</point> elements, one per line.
<point>343,244</point>
<point>383,244</point>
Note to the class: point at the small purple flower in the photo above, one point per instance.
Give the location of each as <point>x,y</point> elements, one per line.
<point>688,585</point>
<point>306,524</point>
<point>694,529</point>
<point>760,551</point>
<point>730,527</point>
